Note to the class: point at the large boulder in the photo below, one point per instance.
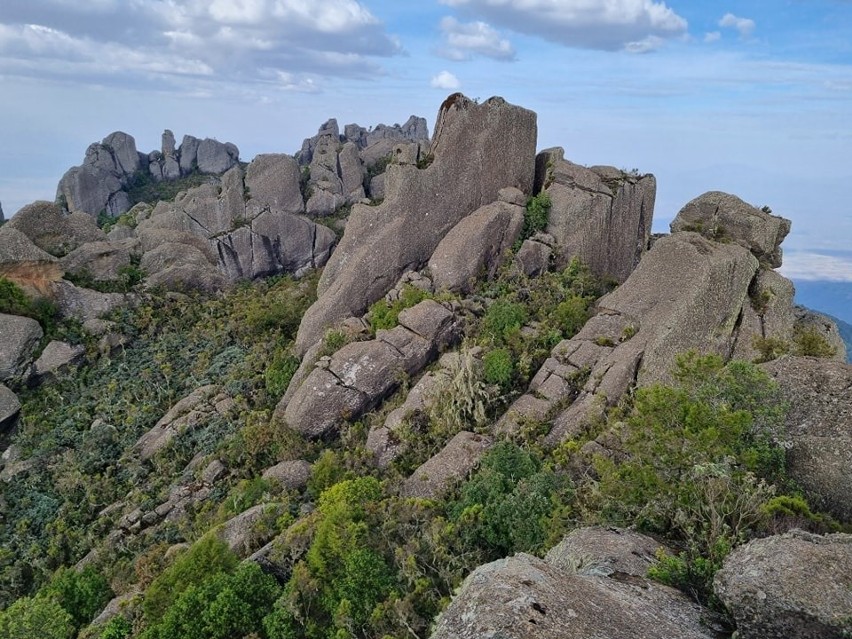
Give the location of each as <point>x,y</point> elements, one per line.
<point>84,304</point>
<point>476,246</point>
<point>600,215</point>
<point>24,263</point>
<point>422,205</point>
<point>454,462</point>
<point>49,228</point>
<point>523,597</point>
<point>770,314</point>
<point>56,359</point>
<point>180,267</point>
<point>19,337</point>
<point>725,217</point>
<point>216,157</point>
<point>818,428</point>
<point>272,180</point>
<point>794,585</point>
<point>103,261</point>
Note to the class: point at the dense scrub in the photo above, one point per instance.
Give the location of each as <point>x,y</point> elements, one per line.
<point>697,463</point>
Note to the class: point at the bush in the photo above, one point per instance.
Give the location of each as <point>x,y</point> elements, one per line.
<point>83,594</point>
<point>385,315</point>
<point>31,617</point>
<point>503,319</point>
<point>499,367</point>
<point>809,342</point>
<point>536,215</point>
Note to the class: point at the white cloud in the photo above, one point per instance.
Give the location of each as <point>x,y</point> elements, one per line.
<point>464,40</point>
<point>712,36</point>
<point>445,80</point>
<point>817,267</point>
<point>227,40</point>
<point>611,25</point>
<point>745,26</point>
<point>646,45</point>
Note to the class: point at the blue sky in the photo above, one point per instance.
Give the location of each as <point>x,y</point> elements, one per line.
<point>754,98</point>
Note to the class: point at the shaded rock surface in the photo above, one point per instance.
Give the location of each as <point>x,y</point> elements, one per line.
<point>421,206</point>
<point>523,597</point>
<point>292,475</point>
<point>453,463</point>
<point>722,216</point>
<point>600,215</point>
<point>49,228</point>
<point>56,359</point>
<point>793,585</point>
<point>82,303</point>
<point>819,428</point>
<point>10,407</point>
<point>19,337</point>
<point>23,263</point>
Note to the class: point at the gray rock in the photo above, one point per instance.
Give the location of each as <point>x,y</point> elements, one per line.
<point>215,157</point>
<point>91,190</point>
<point>352,172</point>
<point>102,260</point>
<point>292,475</point>
<point>187,414</point>
<point>248,531</point>
<point>10,407</point>
<point>534,257</point>
<point>120,605</point>
<point>807,321</point>
<point>170,166</point>
<point>477,246</point>
<point>23,263</point>
<point>450,465</point>
<point>82,303</point>
<point>47,226</point>
<point>793,585</point>
<point>124,153</point>
<point>421,206</point>
<point>19,337</point>
<point>323,203</point>
<point>328,129</point>
<point>188,154</point>
<point>523,597</point>
<point>56,359</point>
<point>606,551</point>
<point>272,180</point>
<point>600,215</point>
<point>722,216</point>
<point>818,428</point>
<point>180,267</point>
<point>768,315</point>
<point>213,472</point>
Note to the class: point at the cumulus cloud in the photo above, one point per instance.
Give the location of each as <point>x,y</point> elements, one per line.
<point>445,80</point>
<point>217,39</point>
<point>712,36</point>
<point>745,26</point>
<point>611,25</point>
<point>817,267</point>
<point>463,40</point>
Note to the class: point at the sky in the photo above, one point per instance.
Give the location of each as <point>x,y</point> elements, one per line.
<point>749,97</point>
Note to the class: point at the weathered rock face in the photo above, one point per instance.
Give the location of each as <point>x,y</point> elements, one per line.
<point>82,303</point>
<point>180,267</point>
<point>273,181</point>
<point>421,206</point>
<point>24,263</point>
<point>523,597</point>
<point>721,216</point>
<point>793,585</point>
<point>18,338</point>
<point>819,428</point>
<point>356,378</point>
<point>56,359</point>
<point>292,475</point>
<point>768,315</point>
<point>811,321</point>
<point>476,246</point>
<point>601,215</point>
<point>448,467</point>
<point>249,530</point>
<point>102,260</point>
<point>47,226</point>
<point>10,407</point>
<point>413,130</point>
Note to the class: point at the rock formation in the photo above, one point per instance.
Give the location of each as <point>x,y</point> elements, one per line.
<point>19,337</point>
<point>600,215</point>
<point>422,205</point>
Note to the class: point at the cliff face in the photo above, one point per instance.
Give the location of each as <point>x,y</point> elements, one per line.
<point>496,356</point>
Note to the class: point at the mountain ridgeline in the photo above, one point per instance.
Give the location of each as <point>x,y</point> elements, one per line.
<point>396,386</point>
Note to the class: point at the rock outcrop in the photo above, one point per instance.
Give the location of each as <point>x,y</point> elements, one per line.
<point>600,215</point>
<point>422,205</point>
<point>57,359</point>
<point>361,374</point>
<point>793,585</point>
<point>818,429</point>
<point>23,263</point>
<point>52,230</point>
<point>19,337</point>
<point>526,597</point>
<point>455,461</point>
<point>10,407</point>
<point>725,217</point>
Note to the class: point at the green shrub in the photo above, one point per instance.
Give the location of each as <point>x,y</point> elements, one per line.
<point>770,348</point>
<point>503,319</point>
<point>280,371</point>
<point>116,628</point>
<point>83,594</point>
<point>14,301</point>
<point>31,617</point>
<point>570,316</point>
<point>499,367</point>
<point>536,215</point>
<point>809,342</point>
<point>385,315</point>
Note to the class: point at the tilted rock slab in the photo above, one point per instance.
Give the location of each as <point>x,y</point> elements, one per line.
<point>794,585</point>
<point>24,263</point>
<point>361,374</point>
<point>600,215</point>
<point>422,205</point>
<point>725,217</point>
<point>10,407</point>
<point>818,428</point>
<point>523,597</point>
<point>476,246</point>
<point>453,463</point>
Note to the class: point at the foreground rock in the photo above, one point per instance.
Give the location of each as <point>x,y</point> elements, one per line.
<point>819,428</point>
<point>523,597</point>
<point>794,585</point>
<point>49,228</point>
<point>422,205</point>
<point>23,263</point>
<point>10,407</point>
<point>600,215</point>
<point>19,337</point>
<point>57,358</point>
<point>449,466</point>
